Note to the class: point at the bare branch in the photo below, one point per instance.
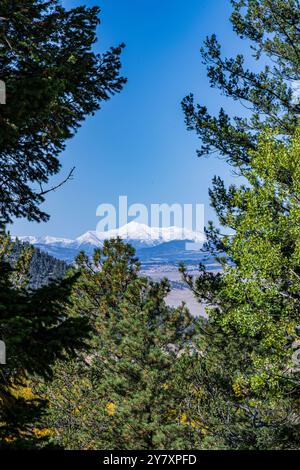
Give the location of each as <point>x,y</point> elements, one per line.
<point>69,177</point>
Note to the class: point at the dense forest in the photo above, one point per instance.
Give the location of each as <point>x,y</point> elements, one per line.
<point>42,269</point>
<point>95,357</point>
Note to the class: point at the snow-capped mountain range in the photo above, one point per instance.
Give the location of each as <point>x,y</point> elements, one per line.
<point>140,234</point>
<point>160,250</point>
<point>151,243</point>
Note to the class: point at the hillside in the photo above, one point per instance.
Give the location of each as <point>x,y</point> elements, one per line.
<point>44,268</point>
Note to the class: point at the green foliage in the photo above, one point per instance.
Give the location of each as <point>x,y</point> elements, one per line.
<point>43,268</point>
<point>128,392</point>
<point>53,81</point>
<point>247,379</point>
<point>37,331</point>
<point>272,27</point>
<point>249,376</point>
<point>98,360</point>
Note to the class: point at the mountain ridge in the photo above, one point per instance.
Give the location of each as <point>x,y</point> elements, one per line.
<point>150,242</point>
<point>133,231</point>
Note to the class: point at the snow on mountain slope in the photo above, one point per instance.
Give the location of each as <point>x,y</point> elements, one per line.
<point>45,240</point>
<point>133,231</point>
<point>141,236</point>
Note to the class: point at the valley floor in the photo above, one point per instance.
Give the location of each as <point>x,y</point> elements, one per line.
<point>179,293</point>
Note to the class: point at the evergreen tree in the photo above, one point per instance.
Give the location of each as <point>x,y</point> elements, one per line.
<point>272,29</point>
<point>129,391</point>
<point>247,379</point>
<point>250,373</point>
<point>53,81</point>
<point>43,268</point>
<point>36,330</point>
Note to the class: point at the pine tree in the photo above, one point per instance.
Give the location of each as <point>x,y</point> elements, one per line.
<point>271,28</point>
<point>36,330</point>
<point>250,373</point>
<point>43,268</point>
<point>247,379</point>
<point>129,391</point>
<point>53,80</point>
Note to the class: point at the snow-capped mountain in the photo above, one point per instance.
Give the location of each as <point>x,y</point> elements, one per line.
<point>45,240</point>
<point>139,235</point>
<point>134,231</point>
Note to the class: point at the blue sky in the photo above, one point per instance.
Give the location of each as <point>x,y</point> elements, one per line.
<point>137,144</point>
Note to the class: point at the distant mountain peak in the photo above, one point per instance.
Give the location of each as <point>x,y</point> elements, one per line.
<point>89,237</point>
<point>138,234</point>
<point>138,231</point>
<point>151,243</point>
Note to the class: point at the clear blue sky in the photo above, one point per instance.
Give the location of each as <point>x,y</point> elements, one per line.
<point>137,144</point>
